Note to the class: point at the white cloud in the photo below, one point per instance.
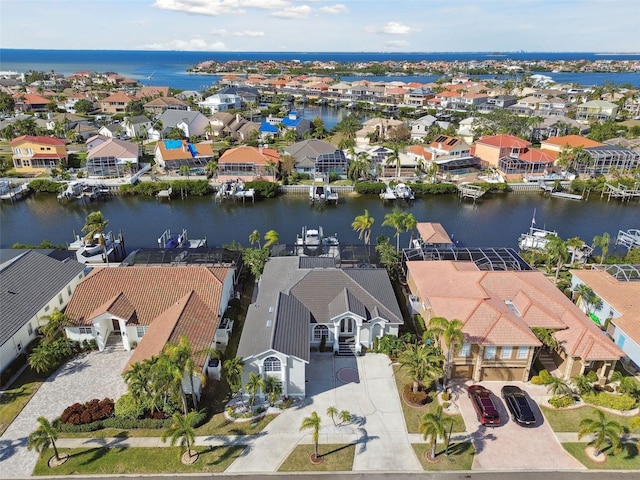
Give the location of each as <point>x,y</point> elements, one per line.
<point>137,22</point>
<point>218,32</point>
<point>218,7</point>
<point>334,9</point>
<point>396,28</point>
<point>302,11</point>
<point>193,45</point>
<point>248,33</point>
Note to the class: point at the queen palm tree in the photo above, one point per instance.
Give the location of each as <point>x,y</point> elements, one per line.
<point>603,242</point>
<point>421,363</point>
<point>345,416</point>
<point>271,238</point>
<point>573,244</point>
<point>558,386</point>
<point>211,168</point>
<point>254,237</point>
<point>182,430</point>
<point>272,389</point>
<point>333,413</point>
<point>393,158</point>
<point>583,384</point>
<point>44,436</point>
<point>253,386</point>
<point>604,431</point>
<point>54,326</point>
<point>363,225</point>
<point>232,370</point>
<point>397,220</point>
<point>431,427</point>
<point>449,333</point>
<point>556,249</point>
<point>626,384</point>
<point>312,422</point>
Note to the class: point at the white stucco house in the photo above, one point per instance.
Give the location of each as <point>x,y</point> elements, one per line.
<point>221,102</point>
<point>33,286</point>
<point>302,300</point>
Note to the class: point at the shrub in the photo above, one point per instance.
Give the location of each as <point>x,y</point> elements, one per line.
<point>609,400</point>
<point>333,177</point>
<point>43,185</point>
<point>446,396</point>
<point>124,423</point>
<point>543,378</point>
<point>91,411</point>
<point>263,188</point>
<point>323,343</point>
<point>419,398</point>
<point>285,403</point>
<point>446,405</point>
<point>592,376</point>
<point>432,188</point>
<point>369,187</point>
<point>128,407</point>
<point>561,402</point>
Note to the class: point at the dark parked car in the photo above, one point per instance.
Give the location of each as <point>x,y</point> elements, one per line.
<point>518,405</point>
<point>486,410</point>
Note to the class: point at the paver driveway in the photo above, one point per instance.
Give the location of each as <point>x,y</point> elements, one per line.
<point>92,375</point>
<point>511,446</point>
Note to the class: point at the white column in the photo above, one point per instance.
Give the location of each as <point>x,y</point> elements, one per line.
<point>336,336</point>
<point>358,346</point>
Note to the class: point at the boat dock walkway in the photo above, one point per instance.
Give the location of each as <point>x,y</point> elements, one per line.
<point>621,191</point>
<point>466,190</point>
<point>628,238</point>
<point>14,193</point>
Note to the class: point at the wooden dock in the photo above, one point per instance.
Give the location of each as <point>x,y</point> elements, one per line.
<point>14,193</point>
<point>467,190</point>
<point>628,238</point>
<point>621,191</point>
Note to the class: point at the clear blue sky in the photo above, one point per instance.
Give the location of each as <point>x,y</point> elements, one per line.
<point>323,26</point>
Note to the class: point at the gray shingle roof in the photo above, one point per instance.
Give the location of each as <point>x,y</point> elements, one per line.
<point>290,297</point>
<point>27,284</point>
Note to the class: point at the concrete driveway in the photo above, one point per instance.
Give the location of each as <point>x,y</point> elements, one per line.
<point>91,375</point>
<point>510,446</point>
<point>365,387</point>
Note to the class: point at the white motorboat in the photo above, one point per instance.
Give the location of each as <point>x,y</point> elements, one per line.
<point>322,193</point>
<point>535,239</point>
<point>403,192</point>
<point>312,242</point>
<point>74,190</point>
<point>97,249</point>
<point>180,240</point>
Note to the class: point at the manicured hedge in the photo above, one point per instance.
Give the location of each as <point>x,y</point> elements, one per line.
<point>150,189</point>
<point>263,188</point>
<point>610,400</point>
<point>432,188</point>
<point>369,187</point>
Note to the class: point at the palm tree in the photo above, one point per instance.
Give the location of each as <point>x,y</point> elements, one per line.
<point>432,426</point>
<point>271,238</point>
<point>272,389</point>
<point>583,384</point>
<point>588,298</point>
<point>333,413</point>
<point>253,386</point>
<point>211,168</point>
<point>41,359</point>
<point>421,363</point>
<point>556,249</point>
<point>393,158</point>
<point>573,244</point>
<point>345,416</point>
<point>363,225</point>
<point>410,224</point>
<point>94,227</point>
<point>254,237</point>
<point>232,370</point>
<point>558,386</point>
<point>312,422</point>
<point>603,242</point>
<point>182,430</point>
<point>44,436</point>
<point>626,384</point>
<point>604,431</point>
<point>449,333</point>
<point>397,220</point>
<point>54,325</point>
<point>185,170</point>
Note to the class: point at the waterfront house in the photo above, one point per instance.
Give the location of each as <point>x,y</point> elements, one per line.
<point>112,158</point>
<point>38,152</point>
<point>499,308</point>
<point>317,157</point>
<point>445,148</point>
<point>497,102</point>
<point>170,155</point>
<point>136,126</point>
<point>191,123</point>
<point>159,105</point>
<point>115,103</point>
<point>596,111</point>
<point>30,102</point>
<point>33,285</point>
<point>512,154</point>
<point>379,127</point>
<point>292,122</point>
<point>148,306</point>
<point>618,287</point>
<point>70,102</point>
<point>221,102</point>
<point>248,163</point>
<point>306,302</point>
<point>112,130</point>
<point>421,126</point>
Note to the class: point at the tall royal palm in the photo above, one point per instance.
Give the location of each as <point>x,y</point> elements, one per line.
<point>363,225</point>
<point>449,333</point>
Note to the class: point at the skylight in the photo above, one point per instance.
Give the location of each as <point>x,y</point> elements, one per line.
<point>513,308</point>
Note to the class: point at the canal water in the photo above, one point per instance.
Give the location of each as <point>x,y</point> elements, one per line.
<point>495,221</point>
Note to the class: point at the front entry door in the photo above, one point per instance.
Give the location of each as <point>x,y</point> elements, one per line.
<point>116,325</point>
<point>347,327</point>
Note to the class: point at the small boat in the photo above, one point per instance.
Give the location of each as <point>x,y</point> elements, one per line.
<point>310,238</point>
<point>322,193</point>
<point>388,194</point>
<point>74,190</point>
<point>98,249</point>
<point>535,239</point>
<point>403,192</point>
<point>312,242</point>
<point>180,240</point>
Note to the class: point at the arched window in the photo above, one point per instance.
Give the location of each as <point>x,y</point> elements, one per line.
<point>271,364</point>
<point>320,331</point>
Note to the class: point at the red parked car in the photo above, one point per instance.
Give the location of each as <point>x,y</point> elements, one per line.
<point>486,410</point>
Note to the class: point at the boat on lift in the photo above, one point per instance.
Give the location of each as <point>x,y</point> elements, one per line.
<point>170,239</point>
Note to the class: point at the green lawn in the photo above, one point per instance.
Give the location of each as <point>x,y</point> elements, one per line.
<point>113,461</point>
<point>460,456</point>
<point>15,398</point>
<point>569,420</point>
<point>412,415</point>
<point>337,458</point>
<point>628,459</point>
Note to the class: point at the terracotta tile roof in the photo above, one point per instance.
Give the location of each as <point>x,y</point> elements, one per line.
<point>253,155</point>
<point>32,98</point>
<point>572,141</point>
<point>118,97</point>
<point>481,299</point>
<point>57,142</point>
<point>538,156</point>
<point>431,232</point>
<point>503,140</point>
